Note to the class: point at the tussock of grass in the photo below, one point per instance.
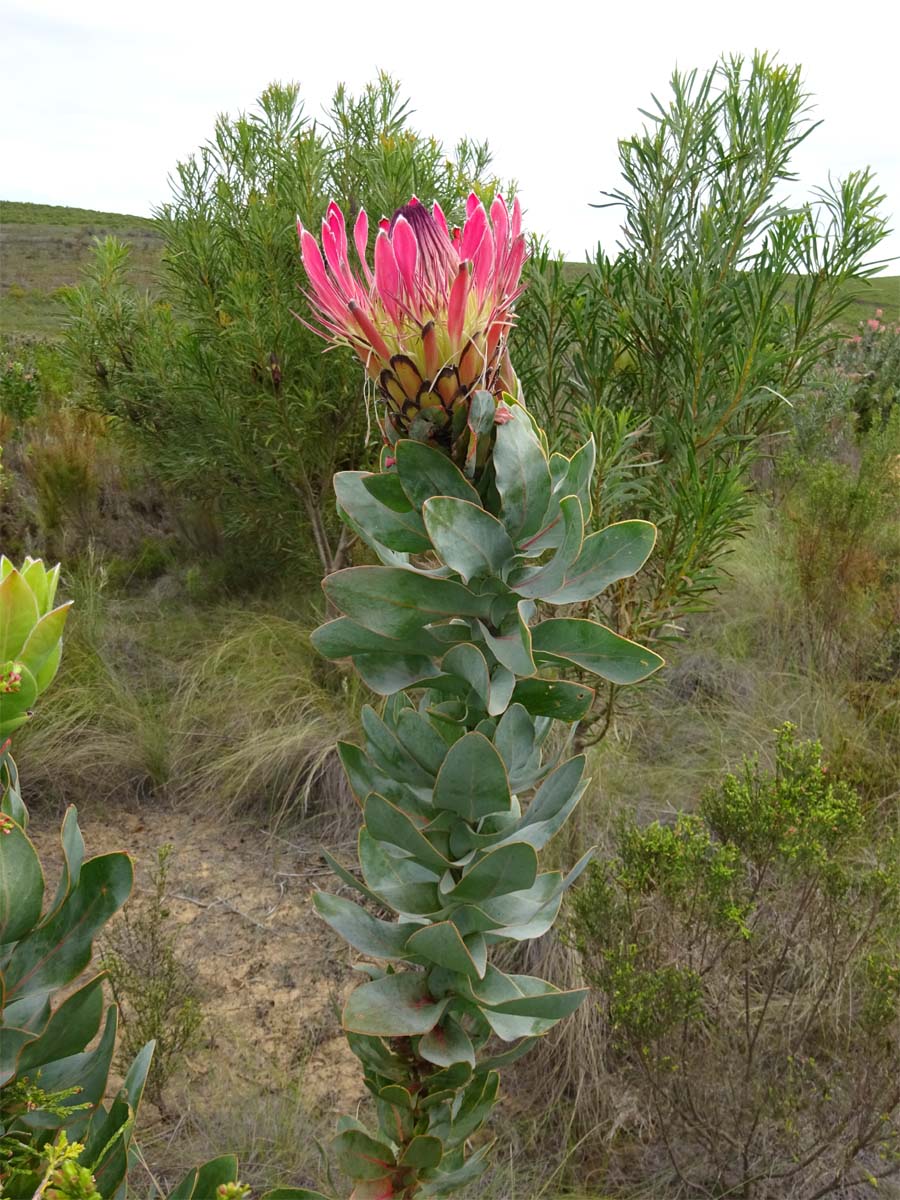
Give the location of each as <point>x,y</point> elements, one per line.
<point>257,725</point>
<point>221,707</point>
<point>262,1116</point>
<point>105,735</point>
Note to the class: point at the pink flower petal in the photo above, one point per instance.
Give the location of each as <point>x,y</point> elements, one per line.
<point>332,252</point>
<point>516,228</point>
<point>440,220</point>
<point>325,297</point>
<point>406,252</point>
<point>338,227</point>
<point>483,266</point>
<point>473,231</point>
<point>500,221</point>
<point>312,258</point>
<point>361,241</point>
<point>456,308</point>
<point>387,276</point>
<point>371,334</point>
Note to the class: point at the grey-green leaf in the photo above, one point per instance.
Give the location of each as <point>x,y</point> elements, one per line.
<point>396,602</point>
<point>592,646</point>
<point>467,538</point>
<point>522,475</point>
<point>365,933</point>
<point>472,780</point>
<point>394,1006</point>
<point>610,554</point>
<point>425,472</point>
<point>373,520</point>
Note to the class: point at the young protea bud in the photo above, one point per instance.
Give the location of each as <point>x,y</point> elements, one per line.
<point>430,318</point>
<point>30,638</point>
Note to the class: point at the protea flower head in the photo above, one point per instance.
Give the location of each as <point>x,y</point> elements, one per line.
<point>430,318</point>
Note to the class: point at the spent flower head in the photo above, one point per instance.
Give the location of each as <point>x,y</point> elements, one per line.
<point>429,317</point>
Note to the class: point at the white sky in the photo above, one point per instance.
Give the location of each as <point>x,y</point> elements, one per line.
<point>99,99</point>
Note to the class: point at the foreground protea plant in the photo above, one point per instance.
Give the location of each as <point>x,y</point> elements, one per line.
<point>430,320</point>
<point>460,782</point>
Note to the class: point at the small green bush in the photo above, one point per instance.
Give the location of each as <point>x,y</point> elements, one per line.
<point>152,987</point>
<point>870,361</point>
<point>844,521</point>
<point>748,964</point>
<point>20,388</point>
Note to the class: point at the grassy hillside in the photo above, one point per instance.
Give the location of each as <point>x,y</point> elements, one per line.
<point>18,212</point>
<point>44,248</point>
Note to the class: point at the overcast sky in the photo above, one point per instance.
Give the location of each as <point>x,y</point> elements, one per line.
<point>101,98</point>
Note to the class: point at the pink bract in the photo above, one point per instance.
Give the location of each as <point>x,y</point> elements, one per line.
<point>429,317</point>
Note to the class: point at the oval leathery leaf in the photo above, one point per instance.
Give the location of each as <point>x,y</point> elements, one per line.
<point>374,520</point>
<point>611,554</point>
<point>395,1006</point>
<point>522,475</point>
<point>472,780</point>
<point>592,646</point>
<point>467,538</point>
<point>425,472</point>
<point>368,934</point>
<point>396,603</point>
<point>21,882</point>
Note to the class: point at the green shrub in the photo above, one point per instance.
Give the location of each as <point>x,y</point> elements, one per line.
<point>844,521</point>
<point>228,394</point>
<point>870,362</point>
<point>152,987</point>
<point>747,960</point>
<point>20,388</point>
<point>681,350</point>
<point>62,1137</point>
<point>53,1083</point>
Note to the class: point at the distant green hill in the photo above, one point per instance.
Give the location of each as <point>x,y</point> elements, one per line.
<point>18,212</point>
<point>44,247</point>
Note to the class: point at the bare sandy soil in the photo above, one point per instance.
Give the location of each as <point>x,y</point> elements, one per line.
<point>271,977</point>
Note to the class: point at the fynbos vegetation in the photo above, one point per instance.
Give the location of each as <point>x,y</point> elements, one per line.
<point>545,864</point>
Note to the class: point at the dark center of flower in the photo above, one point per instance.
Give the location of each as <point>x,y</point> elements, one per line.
<point>434,246</point>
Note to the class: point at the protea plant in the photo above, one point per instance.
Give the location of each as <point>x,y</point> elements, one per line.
<point>30,638</point>
<point>459,781</point>
<point>430,318</point>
